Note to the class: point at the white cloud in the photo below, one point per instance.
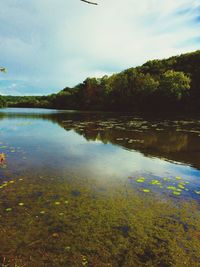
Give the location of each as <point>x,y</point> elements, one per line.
<point>52,44</point>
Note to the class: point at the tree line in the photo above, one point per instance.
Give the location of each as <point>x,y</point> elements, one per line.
<point>158,85</point>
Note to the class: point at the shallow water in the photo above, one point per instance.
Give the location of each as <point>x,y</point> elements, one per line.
<point>64,166</point>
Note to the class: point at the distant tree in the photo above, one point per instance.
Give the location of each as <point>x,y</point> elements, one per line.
<point>2,101</point>
<point>175,84</point>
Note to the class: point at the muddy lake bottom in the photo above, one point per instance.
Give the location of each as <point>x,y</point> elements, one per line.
<point>95,189</point>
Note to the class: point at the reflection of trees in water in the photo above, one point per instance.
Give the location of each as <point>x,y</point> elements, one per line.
<point>163,142</point>
<point>168,144</point>
<point>175,143</point>
<point>130,134</point>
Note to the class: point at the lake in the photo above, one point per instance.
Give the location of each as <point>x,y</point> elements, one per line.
<point>98,189</point>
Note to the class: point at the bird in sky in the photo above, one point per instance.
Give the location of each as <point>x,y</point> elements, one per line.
<point>88,2</point>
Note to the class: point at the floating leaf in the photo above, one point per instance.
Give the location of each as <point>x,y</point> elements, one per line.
<point>21,204</point>
<point>176,193</point>
<point>155,182</point>
<point>181,186</point>
<point>146,190</point>
<point>42,212</point>
<point>8,209</point>
<point>173,188</point>
<point>167,179</point>
<point>140,180</point>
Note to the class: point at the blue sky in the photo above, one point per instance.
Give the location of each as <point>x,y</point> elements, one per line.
<point>50,44</point>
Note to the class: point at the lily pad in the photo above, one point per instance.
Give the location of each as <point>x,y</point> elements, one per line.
<point>146,190</point>
<point>176,193</point>
<point>173,188</point>
<point>179,178</point>
<point>140,180</point>
<point>155,182</point>
<point>181,186</point>
<point>167,179</point>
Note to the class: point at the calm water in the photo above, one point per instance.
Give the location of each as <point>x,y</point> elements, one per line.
<point>88,155</point>
<point>106,147</point>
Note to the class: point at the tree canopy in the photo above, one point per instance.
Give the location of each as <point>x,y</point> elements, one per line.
<point>158,85</point>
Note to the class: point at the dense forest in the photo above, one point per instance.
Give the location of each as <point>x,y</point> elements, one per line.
<point>158,85</point>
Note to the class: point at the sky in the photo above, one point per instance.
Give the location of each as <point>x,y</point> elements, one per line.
<point>50,44</point>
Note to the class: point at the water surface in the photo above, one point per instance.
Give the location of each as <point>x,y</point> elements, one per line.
<point>64,166</point>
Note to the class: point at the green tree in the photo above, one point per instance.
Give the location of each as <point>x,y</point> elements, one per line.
<point>2,99</point>
<point>175,84</point>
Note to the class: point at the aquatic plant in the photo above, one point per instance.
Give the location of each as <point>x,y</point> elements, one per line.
<point>95,228</point>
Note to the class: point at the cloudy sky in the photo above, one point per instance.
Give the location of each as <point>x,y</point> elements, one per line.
<point>50,44</point>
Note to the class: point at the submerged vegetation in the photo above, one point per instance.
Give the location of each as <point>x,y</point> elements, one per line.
<point>73,222</point>
<point>169,85</point>
<point>54,211</point>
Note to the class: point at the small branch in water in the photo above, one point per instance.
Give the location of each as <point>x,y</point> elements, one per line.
<point>3,69</point>
<point>34,242</point>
